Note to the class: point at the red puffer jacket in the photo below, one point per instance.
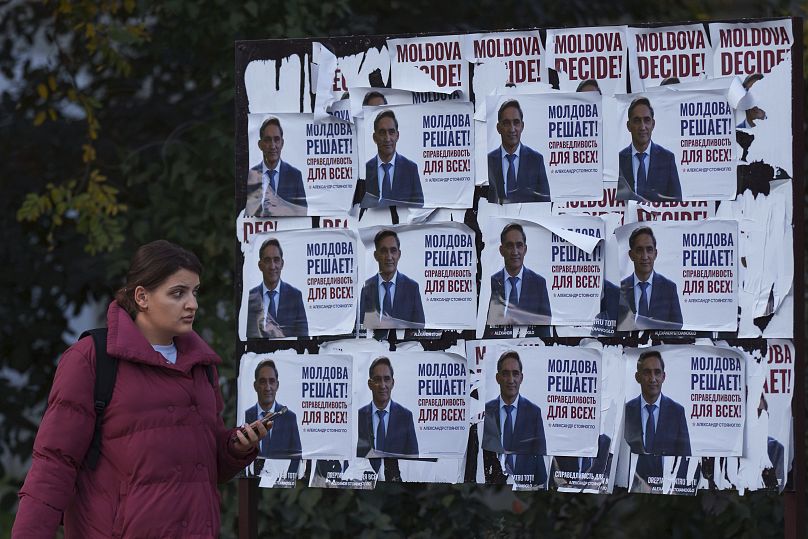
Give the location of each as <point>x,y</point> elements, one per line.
<point>163,449</point>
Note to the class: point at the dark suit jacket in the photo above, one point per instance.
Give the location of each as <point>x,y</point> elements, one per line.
<point>407,309</point>
<point>290,188</point>
<point>291,313</point>
<point>598,465</point>
<point>534,302</point>
<point>671,437</point>
<point>662,177</point>
<point>407,189</point>
<point>400,439</point>
<point>284,440</point>
<point>663,310</point>
<point>776,452</point>
<point>529,443</point>
<point>531,180</point>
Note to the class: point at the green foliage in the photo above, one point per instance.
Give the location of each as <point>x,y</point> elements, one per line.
<point>128,130</point>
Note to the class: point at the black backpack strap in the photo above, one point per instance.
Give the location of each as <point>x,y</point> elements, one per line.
<point>106,369</point>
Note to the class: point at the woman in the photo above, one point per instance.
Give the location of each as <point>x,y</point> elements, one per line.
<point>163,446</point>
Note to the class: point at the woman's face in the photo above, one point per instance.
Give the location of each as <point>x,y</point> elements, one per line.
<point>169,309</point>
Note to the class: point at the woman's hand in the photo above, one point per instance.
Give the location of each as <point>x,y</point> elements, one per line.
<point>249,436</point>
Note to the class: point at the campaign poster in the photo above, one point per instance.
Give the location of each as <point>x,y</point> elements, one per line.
<point>686,401</point>
<point>595,475</point>
<point>544,147</point>
<point>316,295</point>
<point>596,54</point>
<point>554,394</point>
<point>418,276</point>
<point>543,272</point>
<point>668,55</point>
<point>749,48</point>
<point>422,400</point>
<point>279,453</point>
<point>521,53</point>
<point>314,175</point>
<point>428,64</point>
<point>316,391</point>
<point>674,145</point>
<point>698,394</point>
<point>691,270</point>
<point>419,155</point>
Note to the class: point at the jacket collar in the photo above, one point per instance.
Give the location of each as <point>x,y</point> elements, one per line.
<point>125,341</point>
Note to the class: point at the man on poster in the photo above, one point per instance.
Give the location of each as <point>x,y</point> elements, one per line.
<point>647,170</point>
<point>275,308</point>
<point>390,178</point>
<point>648,300</point>
<point>390,299</point>
<point>518,295</point>
<point>516,172</point>
<point>274,187</point>
<point>283,439</point>
<point>655,424</point>
<point>385,427</point>
<point>513,426</point>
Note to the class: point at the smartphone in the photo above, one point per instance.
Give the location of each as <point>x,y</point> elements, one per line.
<point>265,420</point>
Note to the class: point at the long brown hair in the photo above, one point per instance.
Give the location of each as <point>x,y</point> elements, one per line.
<point>152,264</point>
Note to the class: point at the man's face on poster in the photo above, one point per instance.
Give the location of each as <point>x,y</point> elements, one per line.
<point>650,376</point>
<point>641,125</point>
<point>643,255</point>
<point>271,264</point>
<point>266,386</point>
<point>509,378</point>
<point>513,251</point>
<point>387,255</point>
<point>381,384</point>
<point>509,127</point>
<point>386,137</point>
<point>271,144</point>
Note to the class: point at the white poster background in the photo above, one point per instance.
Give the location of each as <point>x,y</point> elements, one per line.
<point>324,152</point>
<point>551,122</point>
<point>277,85</point>
<point>424,249</point>
<point>442,152</point>
<point>333,315</point>
<point>708,294</point>
<point>719,433</point>
<point>580,54</point>
<point>656,54</point>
